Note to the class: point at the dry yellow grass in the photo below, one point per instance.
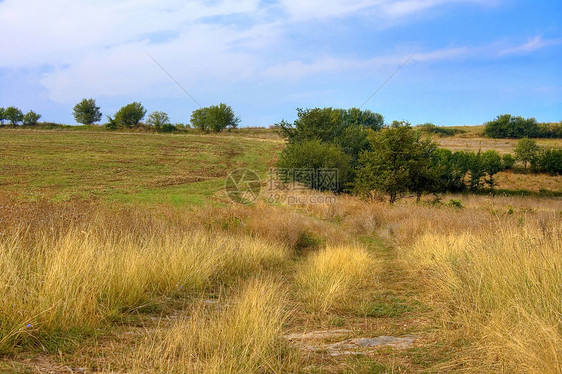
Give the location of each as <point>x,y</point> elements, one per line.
<point>243,336</point>
<point>501,288</point>
<point>51,283</point>
<point>329,278</point>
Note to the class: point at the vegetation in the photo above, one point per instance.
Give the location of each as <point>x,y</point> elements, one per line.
<point>14,115</point>
<point>508,126</point>
<point>159,120</point>
<point>87,112</point>
<point>526,151</point>
<point>214,118</point>
<point>130,115</point>
<point>31,118</point>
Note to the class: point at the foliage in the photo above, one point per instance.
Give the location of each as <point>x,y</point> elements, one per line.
<point>399,161</point>
<point>315,155</point>
<point>13,114</point>
<point>31,118</point>
<point>2,115</point>
<point>167,127</point>
<point>550,130</point>
<point>158,120</point>
<point>87,112</point>
<point>430,128</point>
<point>345,128</point>
<point>214,118</point>
<point>508,160</point>
<point>111,124</point>
<point>526,151</point>
<point>550,161</point>
<point>508,126</point>
<point>130,115</point>
<point>492,164</point>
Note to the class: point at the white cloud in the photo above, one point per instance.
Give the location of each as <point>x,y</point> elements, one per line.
<point>532,45</point>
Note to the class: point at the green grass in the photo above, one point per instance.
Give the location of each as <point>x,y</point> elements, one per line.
<point>130,168</point>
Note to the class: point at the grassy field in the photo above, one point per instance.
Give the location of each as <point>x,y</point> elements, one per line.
<point>120,253</point>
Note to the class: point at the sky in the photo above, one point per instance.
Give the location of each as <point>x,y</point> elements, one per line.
<point>450,62</point>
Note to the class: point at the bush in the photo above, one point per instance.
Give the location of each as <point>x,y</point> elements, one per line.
<point>214,118</point>
<point>158,120</point>
<point>430,128</point>
<point>550,161</point>
<point>315,155</point>
<point>31,118</point>
<point>508,160</point>
<point>86,112</point>
<point>167,127</point>
<point>2,116</point>
<point>130,115</point>
<point>508,126</point>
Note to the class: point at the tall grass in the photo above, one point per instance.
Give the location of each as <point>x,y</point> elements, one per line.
<point>331,277</point>
<point>51,283</point>
<point>243,336</point>
<point>502,289</point>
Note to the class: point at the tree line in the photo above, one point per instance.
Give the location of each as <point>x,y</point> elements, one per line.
<point>213,118</point>
<point>508,126</point>
<point>394,159</point>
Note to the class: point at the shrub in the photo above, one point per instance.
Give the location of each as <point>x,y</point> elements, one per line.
<point>214,118</point>
<point>130,115</point>
<point>31,118</point>
<point>158,120</point>
<point>86,112</point>
<point>315,155</point>
<point>2,116</point>
<point>550,161</point>
<point>508,160</point>
<point>508,126</point>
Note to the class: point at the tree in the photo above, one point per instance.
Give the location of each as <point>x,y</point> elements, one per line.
<point>87,112</point>
<point>13,114</point>
<point>399,161</point>
<point>345,128</point>
<point>130,115</point>
<point>526,151</point>
<point>214,118</point>
<point>158,120</point>
<point>31,118</point>
<point>492,164</point>
<point>550,161</point>
<point>476,170</point>
<point>508,126</point>
<point>508,160</point>
<point>2,116</point>
<point>312,156</point>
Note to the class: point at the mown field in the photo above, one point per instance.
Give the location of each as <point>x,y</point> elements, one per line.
<point>121,253</point>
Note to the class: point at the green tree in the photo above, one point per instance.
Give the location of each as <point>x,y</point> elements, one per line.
<point>14,115</point>
<point>314,155</point>
<point>550,161</point>
<point>214,118</point>
<point>476,170</point>
<point>400,161</point>
<point>158,120</point>
<point>508,126</point>
<point>31,118</point>
<point>130,115</point>
<point>2,116</point>
<point>87,112</point>
<point>492,164</point>
<point>526,151</point>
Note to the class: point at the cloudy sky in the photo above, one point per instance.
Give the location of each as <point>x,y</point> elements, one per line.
<point>469,60</point>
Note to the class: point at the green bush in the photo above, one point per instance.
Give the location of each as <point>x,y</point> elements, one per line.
<point>508,161</point>
<point>508,126</point>
<point>314,155</point>
<point>550,161</point>
<point>130,115</point>
<point>214,118</point>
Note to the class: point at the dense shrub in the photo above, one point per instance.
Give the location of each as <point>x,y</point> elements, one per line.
<point>508,126</point>
<point>214,118</point>
<point>549,161</point>
<point>130,115</point>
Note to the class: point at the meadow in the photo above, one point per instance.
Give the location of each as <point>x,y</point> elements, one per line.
<point>121,253</point>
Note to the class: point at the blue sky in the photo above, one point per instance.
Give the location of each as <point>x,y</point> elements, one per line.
<point>471,60</point>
